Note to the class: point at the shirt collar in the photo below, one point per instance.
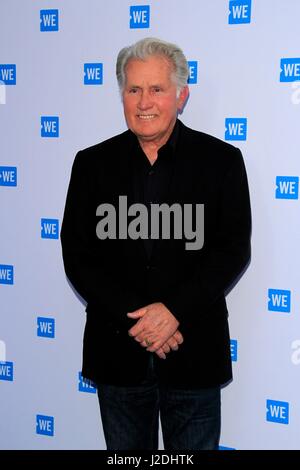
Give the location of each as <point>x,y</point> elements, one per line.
<point>170,144</point>
<point>173,139</point>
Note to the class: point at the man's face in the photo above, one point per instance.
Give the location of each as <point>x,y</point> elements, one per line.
<point>149,99</point>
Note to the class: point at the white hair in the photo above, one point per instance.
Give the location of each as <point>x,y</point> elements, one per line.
<point>144,48</point>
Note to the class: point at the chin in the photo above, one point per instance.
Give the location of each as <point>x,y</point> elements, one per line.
<point>145,133</point>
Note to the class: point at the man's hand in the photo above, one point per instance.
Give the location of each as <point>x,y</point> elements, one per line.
<point>172,344</point>
<point>156,329</point>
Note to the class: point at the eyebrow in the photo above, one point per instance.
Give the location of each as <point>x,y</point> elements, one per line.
<point>157,85</point>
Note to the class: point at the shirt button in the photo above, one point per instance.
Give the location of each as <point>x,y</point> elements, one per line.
<point>149,266</point>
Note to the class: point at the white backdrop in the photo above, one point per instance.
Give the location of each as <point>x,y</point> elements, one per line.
<point>238,77</point>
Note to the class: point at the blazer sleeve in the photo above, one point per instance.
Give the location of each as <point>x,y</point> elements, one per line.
<point>83,268</point>
<point>227,252</point>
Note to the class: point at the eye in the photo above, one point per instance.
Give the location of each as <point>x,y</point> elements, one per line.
<point>157,89</point>
<point>133,90</point>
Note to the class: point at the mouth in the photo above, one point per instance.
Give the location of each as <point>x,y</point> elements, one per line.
<point>146,117</point>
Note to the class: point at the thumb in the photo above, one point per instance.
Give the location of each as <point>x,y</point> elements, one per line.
<point>137,313</point>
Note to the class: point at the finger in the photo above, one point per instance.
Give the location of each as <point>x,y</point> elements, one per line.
<point>156,345</point>
<point>160,354</point>
<point>140,338</point>
<point>149,340</point>
<point>137,329</point>
<point>166,348</point>
<point>173,343</point>
<point>137,313</point>
<point>159,340</point>
<point>146,343</point>
<point>178,337</point>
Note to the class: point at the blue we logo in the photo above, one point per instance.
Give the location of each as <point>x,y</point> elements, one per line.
<point>233,349</point>
<point>93,74</point>
<point>235,128</point>
<point>8,176</point>
<point>46,327</point>
<point>85,385</point>
<point>50,228</point>
<point>8,74</point>
<point>49,126</point>
<point>278,411</point>
<point>287,187</point>
<point>7,371</point>
<point>239,11</point>
<point>193,72</point>
<point>48,20</point>
<point>45,425</point>
<point>279,300</point>
<point>289,70</point>
<point>6,274</point>
<point>139,16</point>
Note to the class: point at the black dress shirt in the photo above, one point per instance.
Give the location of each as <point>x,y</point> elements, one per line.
<point>151,182</point>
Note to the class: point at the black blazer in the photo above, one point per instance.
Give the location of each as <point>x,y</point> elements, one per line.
<point>115,276</point>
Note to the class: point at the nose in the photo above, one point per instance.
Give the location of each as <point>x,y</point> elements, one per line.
<point>145,101</point>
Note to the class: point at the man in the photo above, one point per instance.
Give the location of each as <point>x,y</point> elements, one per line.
<point>156,339</point>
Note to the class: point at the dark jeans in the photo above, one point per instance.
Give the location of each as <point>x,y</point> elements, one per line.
<point>190,419</point>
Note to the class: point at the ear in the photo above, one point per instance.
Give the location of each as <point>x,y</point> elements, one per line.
<point>183,96</point>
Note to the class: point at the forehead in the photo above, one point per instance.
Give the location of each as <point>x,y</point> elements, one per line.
<point>154,68</point>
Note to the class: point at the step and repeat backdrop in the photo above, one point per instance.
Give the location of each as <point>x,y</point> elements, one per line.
<point>58,94</point>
